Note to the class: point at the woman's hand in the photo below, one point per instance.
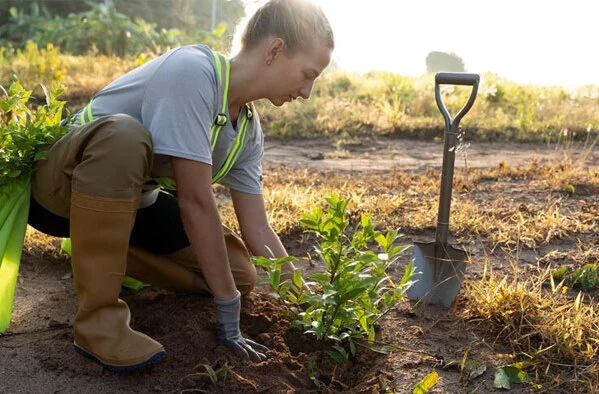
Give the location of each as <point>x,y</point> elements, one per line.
<point>229,334</point>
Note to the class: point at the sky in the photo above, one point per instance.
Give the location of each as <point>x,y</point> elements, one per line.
<point>551,42</point>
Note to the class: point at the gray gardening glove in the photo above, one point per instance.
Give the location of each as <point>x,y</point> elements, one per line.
<point>228,312</point>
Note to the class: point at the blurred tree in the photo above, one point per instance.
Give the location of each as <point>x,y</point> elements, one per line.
<point>58,7</point>
<point>443,61</point>
<point>181,14</point>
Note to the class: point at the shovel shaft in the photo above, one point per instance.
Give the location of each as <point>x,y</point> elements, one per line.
<point>446,187</point>
<point>449,148</point>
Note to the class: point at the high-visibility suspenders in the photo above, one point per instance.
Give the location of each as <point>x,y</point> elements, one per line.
<point>223,69</point>
<point>87,112</point>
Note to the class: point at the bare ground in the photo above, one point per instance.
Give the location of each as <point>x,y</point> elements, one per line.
<point>37,355</point>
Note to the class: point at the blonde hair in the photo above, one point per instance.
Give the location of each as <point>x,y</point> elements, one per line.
<point>300,23</point>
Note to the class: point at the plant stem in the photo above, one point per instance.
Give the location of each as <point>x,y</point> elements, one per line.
<point>334,270</point>
<point>330,321</point>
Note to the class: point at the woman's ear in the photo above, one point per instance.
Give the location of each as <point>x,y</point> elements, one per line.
<point>274,49</point>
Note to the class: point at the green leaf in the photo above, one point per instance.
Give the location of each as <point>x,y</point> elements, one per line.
<point>284,288</point>
<point>14,173</point>
<point>65,245</point>
<point>502,380</point>
<point>363,322</point>
<point>133,284</point>
<point>427,383</point>
<point>386,349</point>
<point>560,273</point>
<point>516,374</point>
<point>355,292</point>
<point>275,279</point>
<point>408,274</point>
<point>381,240</point>
<point>508,375</point>
<point>319,277</point>
<point>13,216</point>
<point>474,369</point>
<point>263,281</point>
<point>336,356</point>
<point>40,155</point>
<point>261,261</point>
<point>297,279</point>
<point>398,249</point>
<point>211,373</point>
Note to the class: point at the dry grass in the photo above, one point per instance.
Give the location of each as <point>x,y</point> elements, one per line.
<point>555,331</point>
<point>86,77</point>
<point>505,207</point>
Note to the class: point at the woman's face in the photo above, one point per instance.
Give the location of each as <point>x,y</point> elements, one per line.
<point>294,76</point>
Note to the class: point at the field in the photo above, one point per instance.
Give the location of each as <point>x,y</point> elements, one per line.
<point>524,208</point>
<point>510,212</point>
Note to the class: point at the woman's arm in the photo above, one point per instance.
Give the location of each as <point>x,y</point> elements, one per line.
<point>202,224</point>
<point>256,231</point>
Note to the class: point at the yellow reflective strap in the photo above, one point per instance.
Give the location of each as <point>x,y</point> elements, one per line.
<point>240,144</point>
<point>226,91</point>
<point>214,133</point>
<point>235,151</point>
<point>218,65</point>
<point>224,79</point>
<point>87,110</point>
<point>223,76</point>
<point>90,116</point>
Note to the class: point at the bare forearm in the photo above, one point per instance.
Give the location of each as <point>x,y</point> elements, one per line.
<point>257,233</point>
<point>204,230</point>
<point>266,243</point>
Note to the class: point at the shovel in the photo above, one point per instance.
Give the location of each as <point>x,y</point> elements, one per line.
<point>439,266</point>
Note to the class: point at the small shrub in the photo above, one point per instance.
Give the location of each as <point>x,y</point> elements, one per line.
<point>24,130</point>
<point>354,292</point>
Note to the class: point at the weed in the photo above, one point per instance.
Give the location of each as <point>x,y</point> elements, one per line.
<point>215,375</point>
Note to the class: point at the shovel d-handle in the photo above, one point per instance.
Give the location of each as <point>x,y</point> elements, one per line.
<point>450,140</point>
<point>465,79</point>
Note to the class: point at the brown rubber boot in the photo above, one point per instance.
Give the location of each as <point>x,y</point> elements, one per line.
<point>180,271</point>
<point>100,230</point>
<point>164,272</point>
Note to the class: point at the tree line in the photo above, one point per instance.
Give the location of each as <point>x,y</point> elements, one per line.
<point>117,27</point>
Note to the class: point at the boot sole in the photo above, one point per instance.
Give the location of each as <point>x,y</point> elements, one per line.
<point>124,368</point>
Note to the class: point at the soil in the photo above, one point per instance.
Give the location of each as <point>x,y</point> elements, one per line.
<point>38,357</point>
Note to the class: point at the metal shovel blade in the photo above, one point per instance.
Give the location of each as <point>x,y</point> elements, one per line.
<point>437,279</point>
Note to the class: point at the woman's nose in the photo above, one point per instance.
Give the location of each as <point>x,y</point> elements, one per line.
<point>305,91</point>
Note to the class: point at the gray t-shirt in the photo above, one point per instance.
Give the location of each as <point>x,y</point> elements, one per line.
<point>177,97</point>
